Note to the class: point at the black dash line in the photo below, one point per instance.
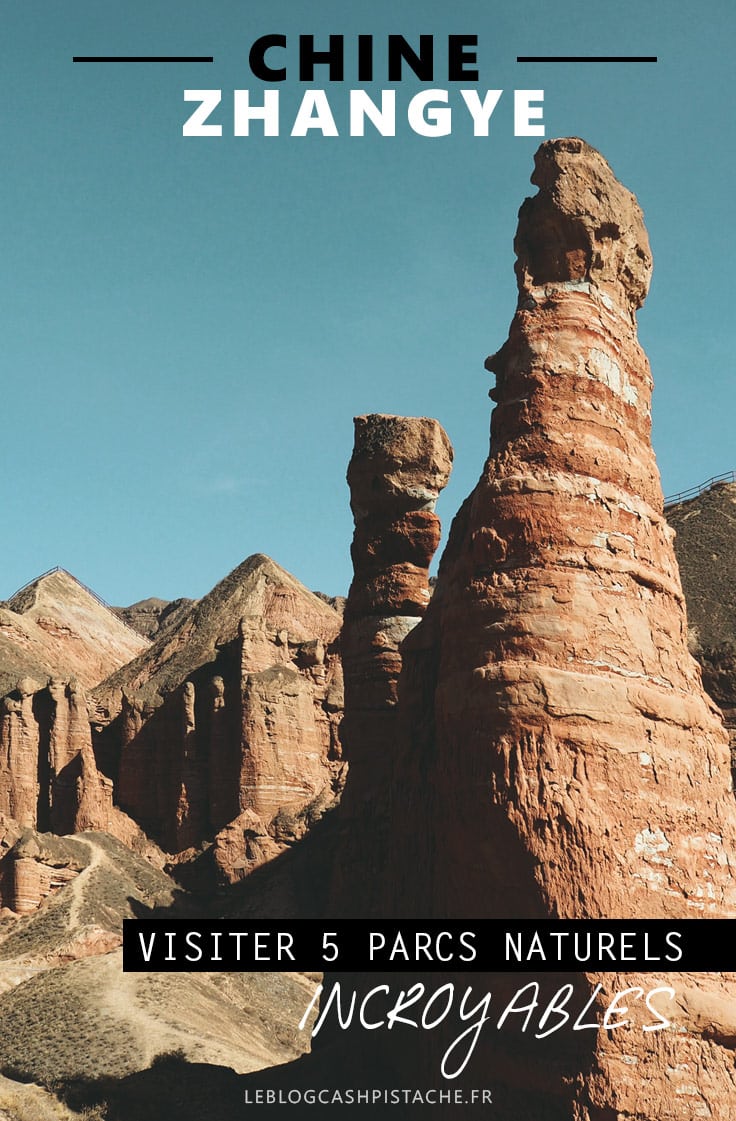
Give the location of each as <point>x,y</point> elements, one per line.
<point>586,58</point>
<point>143,58</point>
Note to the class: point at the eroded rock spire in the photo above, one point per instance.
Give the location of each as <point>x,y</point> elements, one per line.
<point>569,763</point>
<point>398,468</point>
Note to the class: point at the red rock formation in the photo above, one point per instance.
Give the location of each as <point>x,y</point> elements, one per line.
<point>19,754</point>
<point>234,710</point>
<point>32,882</point>
<point>398,468</point>
<point>41,735</point>
<point>29,873</point>
<point>67,639</point>
<point>571,764</point>
<point>48,773</point>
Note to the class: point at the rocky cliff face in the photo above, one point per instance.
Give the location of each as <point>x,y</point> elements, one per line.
<point>44,738</point>
<point>56,639</point>
<point>230,721</point>
<point>225,728</point>
<point>569,762</point>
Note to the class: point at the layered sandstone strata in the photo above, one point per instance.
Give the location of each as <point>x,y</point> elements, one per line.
<point>230,720</point>
<point>398,468</point>
<point>569,763</point>
<point>56,639</point>
<point>48,775</point>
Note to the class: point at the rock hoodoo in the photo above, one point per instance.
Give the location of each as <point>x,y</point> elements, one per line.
<point>398,468</point>
<point>565,674</point>
<point>571,765</point>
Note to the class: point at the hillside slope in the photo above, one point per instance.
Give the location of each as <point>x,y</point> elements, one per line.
<point>55,627</point>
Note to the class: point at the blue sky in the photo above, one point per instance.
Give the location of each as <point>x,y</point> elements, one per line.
<point>190,324</point>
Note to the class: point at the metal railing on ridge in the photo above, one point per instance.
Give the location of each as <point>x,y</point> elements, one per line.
<point>90,591</point>
<point>693,492</point>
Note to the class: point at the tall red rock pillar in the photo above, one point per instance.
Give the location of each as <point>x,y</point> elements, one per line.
<point>398,468</point>
<point>578,768</point>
